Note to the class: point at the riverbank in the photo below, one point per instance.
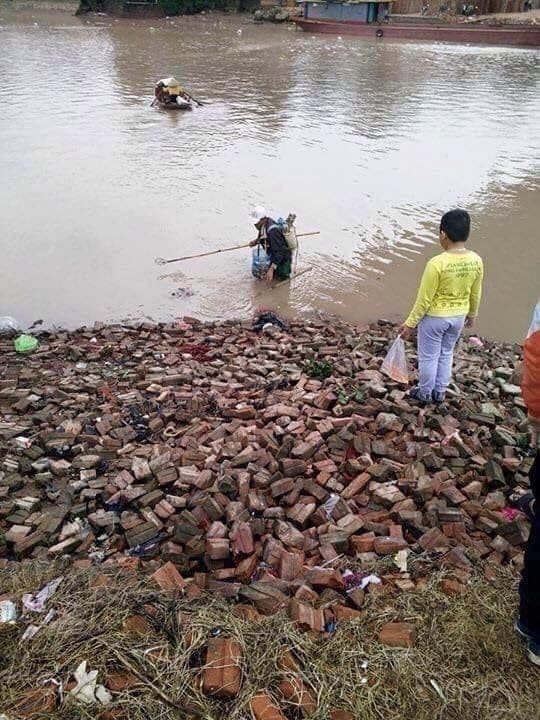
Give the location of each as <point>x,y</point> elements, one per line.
<point>70,6</point>
<point>200,483</point>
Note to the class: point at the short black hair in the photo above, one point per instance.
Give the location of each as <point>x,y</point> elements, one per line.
<point>456,224</point>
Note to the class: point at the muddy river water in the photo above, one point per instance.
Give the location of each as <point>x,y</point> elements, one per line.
<point>367,141</point>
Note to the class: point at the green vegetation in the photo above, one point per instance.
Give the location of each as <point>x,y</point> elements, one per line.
<point>320,369</point>
<point>191,7</point>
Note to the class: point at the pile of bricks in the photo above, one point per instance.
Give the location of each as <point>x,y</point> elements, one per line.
<point>232,471</point>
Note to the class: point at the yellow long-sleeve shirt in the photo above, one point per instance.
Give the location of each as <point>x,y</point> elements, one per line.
<point>451,285</point>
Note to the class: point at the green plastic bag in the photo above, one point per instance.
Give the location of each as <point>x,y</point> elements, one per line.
<point>26,343</point>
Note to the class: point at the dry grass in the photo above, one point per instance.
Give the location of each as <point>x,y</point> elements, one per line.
<point>467,665</point>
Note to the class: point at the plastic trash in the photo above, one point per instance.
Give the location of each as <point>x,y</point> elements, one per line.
<point>87,690</point>
<point>400,560</point>
<point>370,580</point>
<point>352,580</point>
<point>395,363</point>
<point>475,342</point>
<point>510,514</point>
<point>33,630</point>
<point>23,442</point>
<point>37,603</point>
<point>26,343</point>
<point>329,505</point>
<point>8,612</point>
<point>8,325</point>
<point>260,262</point>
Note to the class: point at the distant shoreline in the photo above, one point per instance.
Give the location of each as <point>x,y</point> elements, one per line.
<point>63,5</point>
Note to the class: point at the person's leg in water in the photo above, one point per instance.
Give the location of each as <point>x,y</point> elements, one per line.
<point>446,357</point>
<point>283,271</point>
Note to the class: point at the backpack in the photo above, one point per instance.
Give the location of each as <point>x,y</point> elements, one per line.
<point>288,229</point>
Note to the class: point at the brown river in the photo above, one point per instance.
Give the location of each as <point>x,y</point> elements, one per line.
<point>367,141</point>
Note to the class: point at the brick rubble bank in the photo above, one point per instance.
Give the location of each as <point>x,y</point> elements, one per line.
<point>209,456</point>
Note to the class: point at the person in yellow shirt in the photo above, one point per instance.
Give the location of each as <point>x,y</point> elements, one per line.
<point>448,299</point>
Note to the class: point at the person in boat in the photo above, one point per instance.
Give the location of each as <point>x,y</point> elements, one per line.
<point>168,91</point>
<point>271,237</point>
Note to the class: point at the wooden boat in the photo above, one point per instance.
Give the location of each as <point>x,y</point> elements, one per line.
<point>169,95</point>
<point>183,105</point>
<point>524,36</point>
<point>371,19</point>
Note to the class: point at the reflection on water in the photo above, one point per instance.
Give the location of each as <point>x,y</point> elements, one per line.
<point>366,141</point>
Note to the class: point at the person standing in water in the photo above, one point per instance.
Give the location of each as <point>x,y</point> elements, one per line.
<point>271,236</point>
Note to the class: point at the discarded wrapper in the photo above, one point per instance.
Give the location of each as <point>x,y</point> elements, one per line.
<point>87,690</point>
<point>8,612</point>
<point>37,603</point>
<point>23,442</point>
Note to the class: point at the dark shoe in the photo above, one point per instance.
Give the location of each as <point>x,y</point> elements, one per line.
<point>438,397</point>
<point>415,394</point>
<point>534,652</point>
<point>522,630</point>
<point>525,503</point>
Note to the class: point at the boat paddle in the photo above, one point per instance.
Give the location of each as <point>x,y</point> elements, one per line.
<point>163,261</point>
<point>197,102</point>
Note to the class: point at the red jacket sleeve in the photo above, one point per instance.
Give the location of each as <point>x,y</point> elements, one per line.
<point>530,384</point>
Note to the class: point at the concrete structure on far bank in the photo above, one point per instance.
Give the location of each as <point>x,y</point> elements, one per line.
<point>355,10</point>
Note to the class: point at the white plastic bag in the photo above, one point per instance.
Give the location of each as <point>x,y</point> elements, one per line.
<point>395,363</point>
<point>8,325</point>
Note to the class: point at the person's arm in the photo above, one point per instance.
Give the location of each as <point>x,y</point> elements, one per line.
<point>530,380</point>
<point>476,295</point>
<point>426,293</point>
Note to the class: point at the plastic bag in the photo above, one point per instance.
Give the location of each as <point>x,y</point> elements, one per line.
<point>8,325</point>
<point>260,262</point>
<point>395,363</point>
<point>26,344</point>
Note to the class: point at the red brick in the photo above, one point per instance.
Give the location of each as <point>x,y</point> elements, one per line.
<point>218,548</point>
<point>433,540</point>
<point>119,682</point>
<point>307,617</point>
<point>343,613</point>
<point>363,543</point>
<point>242,540</point>
<point>452,587</point>
<point>41,701</point>
<point>388,545</point>
<point>325,578</point>
<point>296,692</point>
<point>291,566</point>
<point>246,612</point>
<point>356,486</point>
<point>288,662</point>
<point>168,578</point>
<point>341,715</point>
<point>398,634</point>
<point>306,594</point>
<point>193,592</point>
<point>262,708</point>
<point>137,625</point>
<point>222,673</point>
<point>101,581</point>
